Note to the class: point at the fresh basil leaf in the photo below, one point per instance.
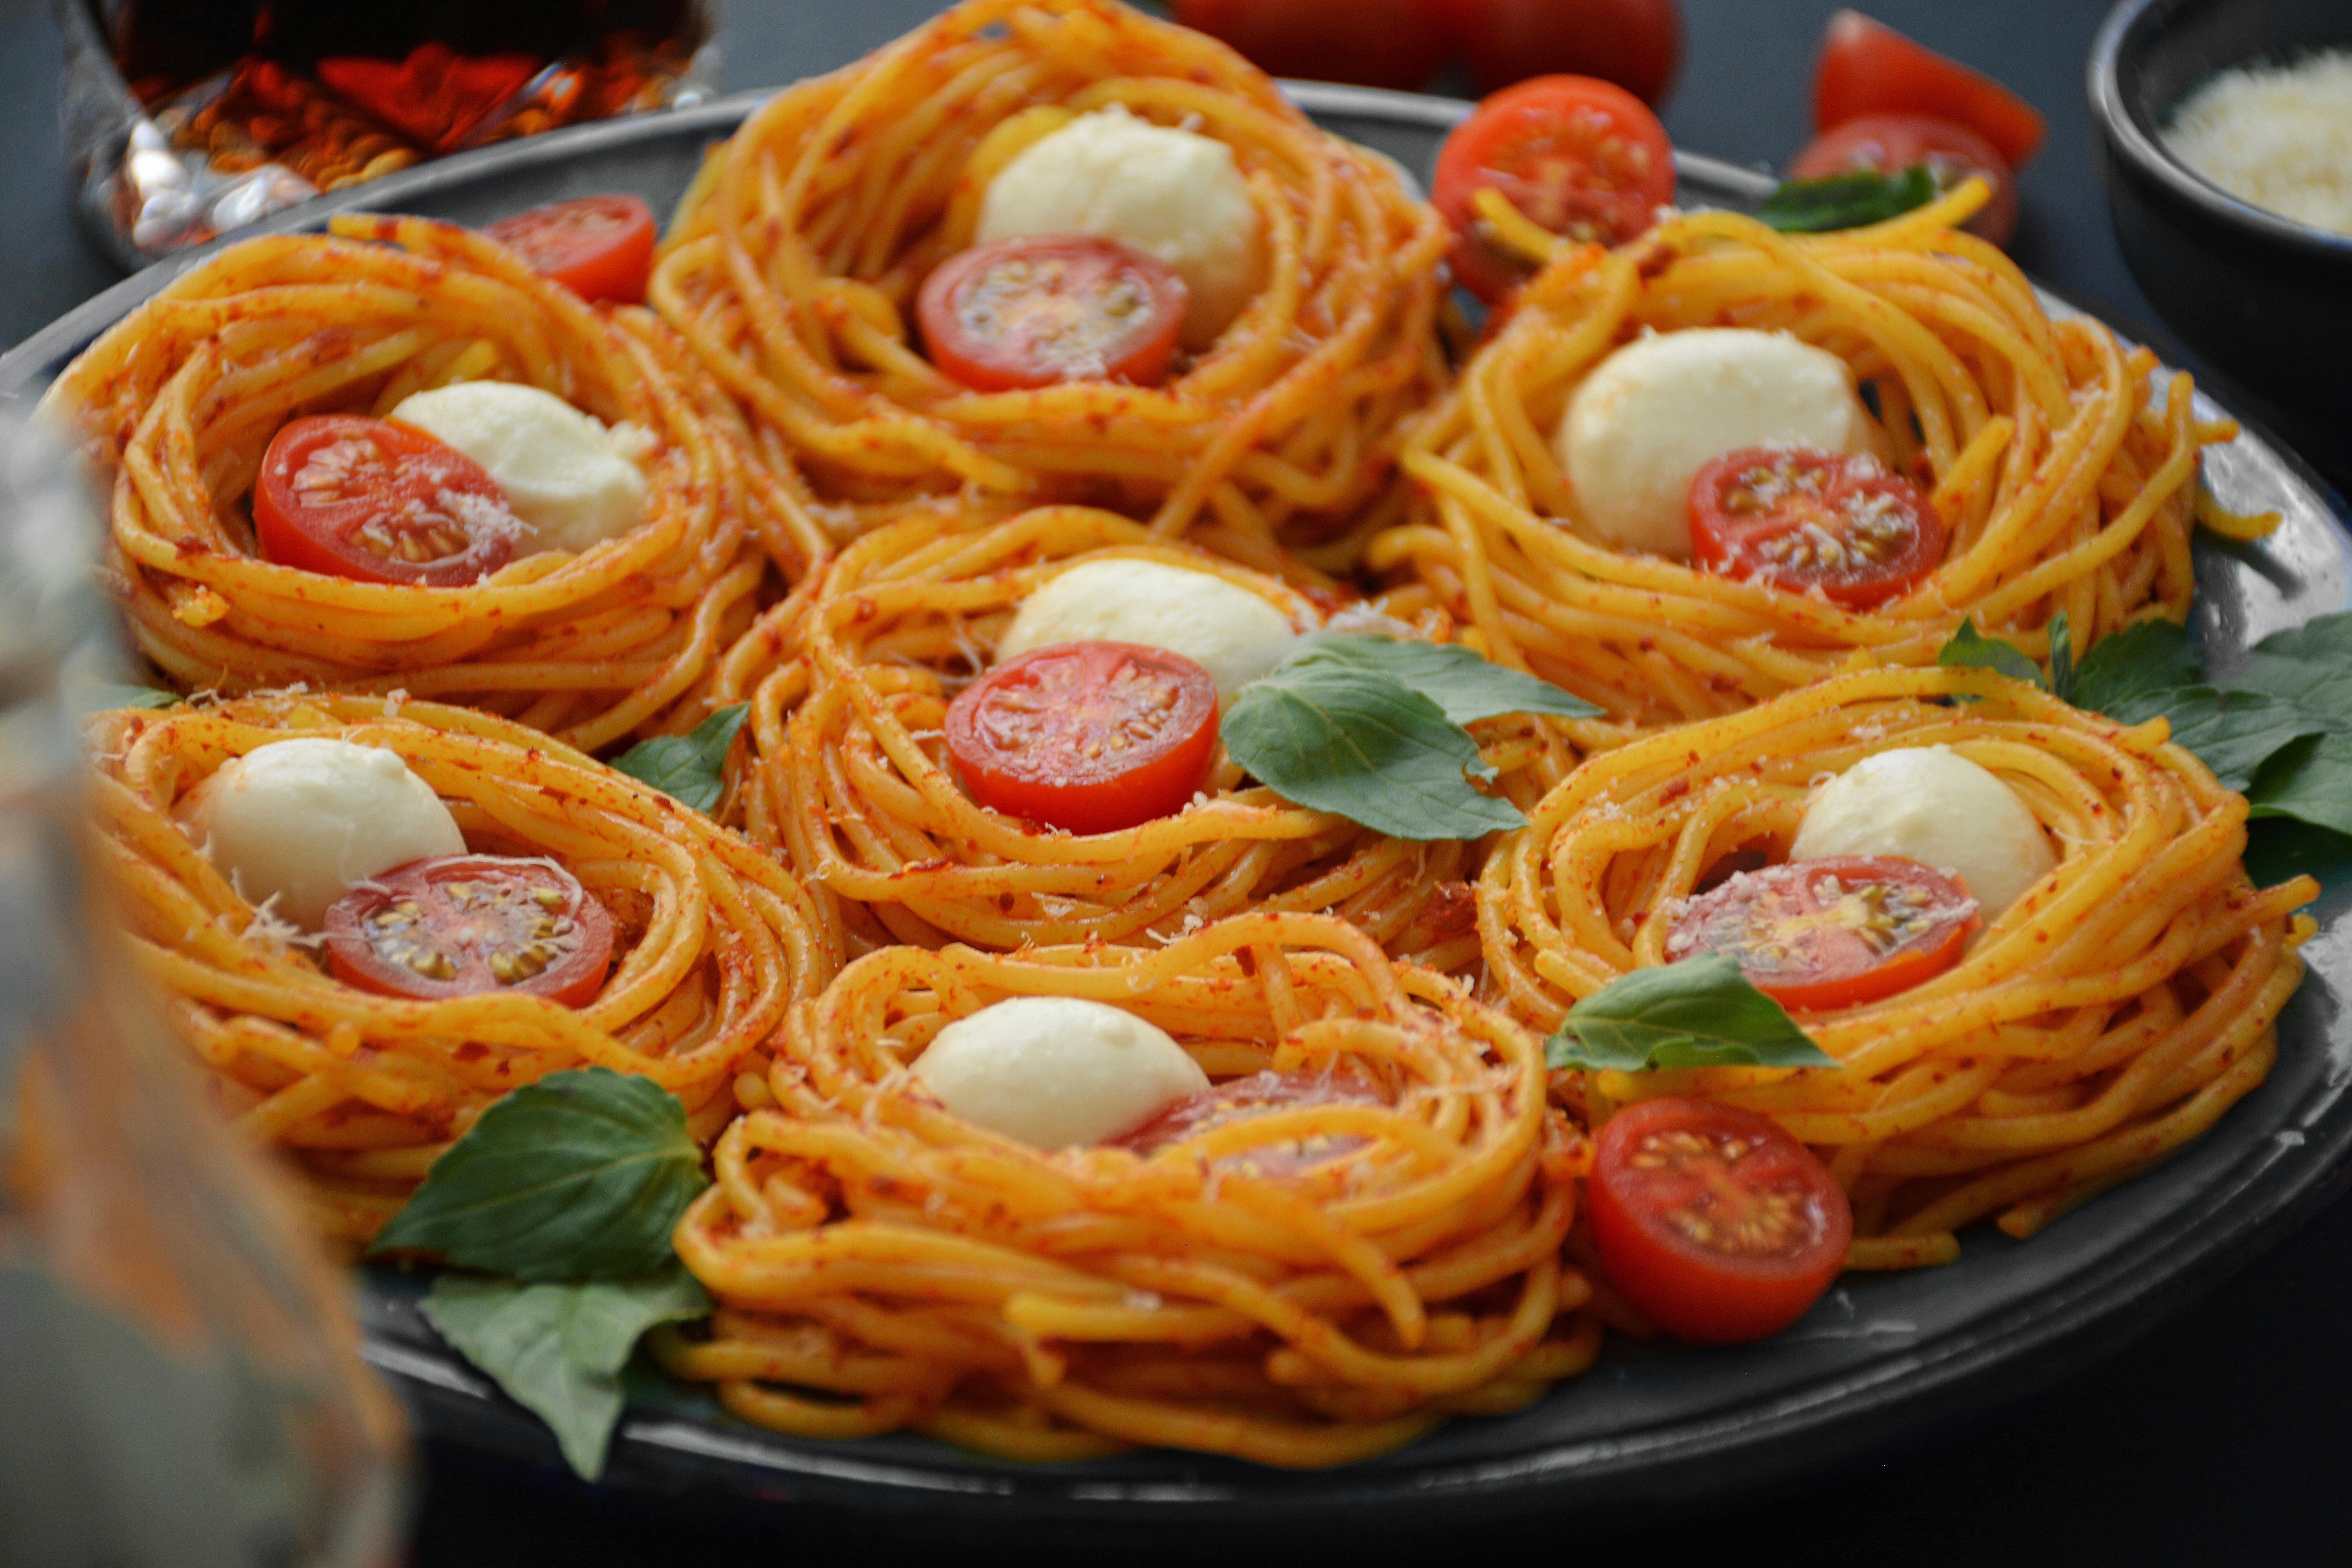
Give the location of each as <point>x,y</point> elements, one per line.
<point>2327,641</point>
<point>2279,847</point>
<point>691,766</point>
<point>1339,739</point>
<point>579,1176</point>
<point>2062,658</point>
<point>1699,1012</point>
<point>1970,649</point>
<point>2232,732</point>
<point>2123,671</point>
<point>558,1350</point>
<point>1466,687</point>
<point>2310,781</point>
<point>100,696</point>
<point>1846,201</point>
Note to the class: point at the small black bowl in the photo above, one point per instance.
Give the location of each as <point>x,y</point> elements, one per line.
<point>2266,299</point>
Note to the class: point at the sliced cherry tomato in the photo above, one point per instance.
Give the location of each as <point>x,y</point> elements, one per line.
<point>1326,40</point>
<point>366,499</point>
<point>1800,517</point>
<point>472,925</point>
<point>1089,736</point>
<point>1637,43</point>
<point>1817,935</point>
<point>601,247</point>
<point>1044,309</point>
<point>1579,156</point>
<point>1892,142</point>
<point>1868,67</point>
<point>1712,1221</point>
<point>1245,1098</point>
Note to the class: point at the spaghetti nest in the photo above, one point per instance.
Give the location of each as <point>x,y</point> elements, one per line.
<point>712,942</point>
<point>2110,1015</point>
<point>849,681</point>
<point>794,265</point>
<point>881,1264</point>
<point>182,398</point>
<point>2063,486</point>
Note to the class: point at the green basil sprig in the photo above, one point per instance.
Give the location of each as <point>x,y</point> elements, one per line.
<point>691,767</point>
<point>1699,1012</point>
<point>564,1193</point>
<point>1846,201</point>
<point>1371,728</point>
<point>102,696</point>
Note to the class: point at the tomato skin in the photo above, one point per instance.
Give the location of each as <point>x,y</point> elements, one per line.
<point>1756,514</point>
<point>1663,1160</point>
<point>467,929</point>
<point>601,247</point>
<point>1240,1099</point>
<point>1329,40</point>
<point>1038,311</point>
<point>329,484</point>
<point>1637,43</point>
<point>1577,155</point>
<point>1892,142</point>
<point>1890,923</point>
<point>1089,736</point>
<point>1867,68</point>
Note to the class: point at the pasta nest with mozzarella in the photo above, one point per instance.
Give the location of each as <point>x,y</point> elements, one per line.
<point>1309,1285</point>
<point>712,942</point>
<point>179,400</point>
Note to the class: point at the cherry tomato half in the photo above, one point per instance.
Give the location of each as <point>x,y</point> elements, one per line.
<point>366,499</point>
<point>1799,518</point>
<point>471,925</point>
<point>601,247</point>
<point>1089,736</point>
<point>1817,935</point>
<point>1044,308</point>
<point>1712,1221</point>
<point>1328,40</point>
<point>1892,142</point>
<point>1637,43</point>
<point>1868,67</point>
<point>1579,156</point>
<point>1245,1098</point>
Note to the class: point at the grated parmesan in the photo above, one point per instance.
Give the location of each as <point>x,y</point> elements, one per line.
<point>2279,137</point>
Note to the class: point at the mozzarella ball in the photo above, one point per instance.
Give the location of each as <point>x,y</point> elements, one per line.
<point>1167,192</point>
<point>1940,809</point>
<point>1656,411</point>
<point>303,820</point>
<point>1053,1071</point>
<point>563,473</point>
<point>1230,632</point>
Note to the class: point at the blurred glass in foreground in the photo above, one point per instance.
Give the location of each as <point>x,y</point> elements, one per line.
<point>179,1378</point>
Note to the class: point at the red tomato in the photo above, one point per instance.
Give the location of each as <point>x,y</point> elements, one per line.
<point>1329,40</point>
<point>1637,43</point>
<point>1581,157</point>
<point>1892,142</point>
<point>601,247</point>
<point>1243,1099</point>
<point>472,925</point>
<point>1712,1221</point>
<point>1816,935</point>
<point>366,499</point>
<point>1090,736</point>
<point>1799,518</point>
<point>1044,308</point>
<point>1868,67</point>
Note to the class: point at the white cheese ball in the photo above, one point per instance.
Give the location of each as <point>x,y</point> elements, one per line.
<point>1167,192</point>
<point>1940,809</point>
<point>303,820</point>
<point>1230,632</point>
<point>1656,411</point>
<point>563,473</point>
<point>1053,1071</point>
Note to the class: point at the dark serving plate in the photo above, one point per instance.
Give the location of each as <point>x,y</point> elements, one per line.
<point>1880,1358</point>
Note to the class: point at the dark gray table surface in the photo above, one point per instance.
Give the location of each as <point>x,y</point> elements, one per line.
<point>2222,1437</point>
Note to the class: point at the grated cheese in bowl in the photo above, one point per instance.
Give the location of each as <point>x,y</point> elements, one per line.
<point>2279,137</point>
